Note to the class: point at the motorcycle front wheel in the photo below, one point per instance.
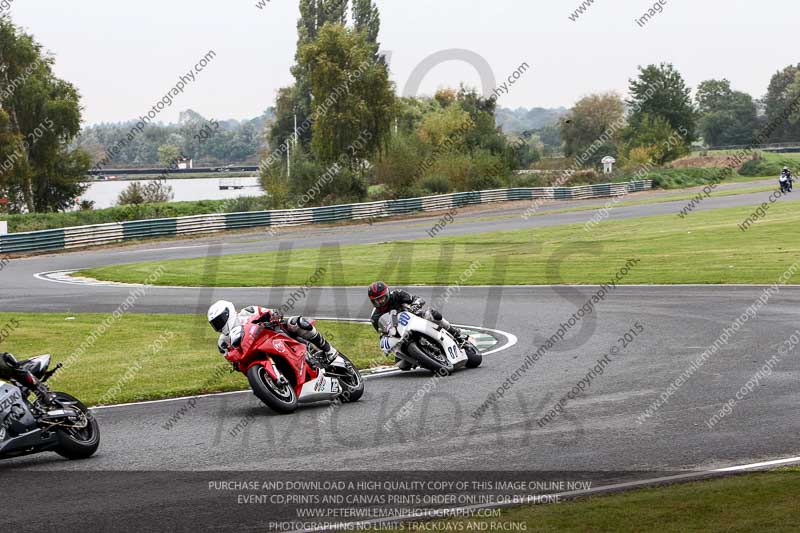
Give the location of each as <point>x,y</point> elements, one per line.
<point>77,442</point>
<point>474,357</point>
<point>280,398</point>
<point>436,361</point>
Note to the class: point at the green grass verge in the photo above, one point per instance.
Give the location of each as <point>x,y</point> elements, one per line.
<point>706,247</point>
<point>186,364</point>
<point>753,502</point>
<point>632,203</point>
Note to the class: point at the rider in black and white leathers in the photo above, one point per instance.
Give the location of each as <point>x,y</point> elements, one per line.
<point>385,300</point>
<point>401,300</point>
<point>786,180</point>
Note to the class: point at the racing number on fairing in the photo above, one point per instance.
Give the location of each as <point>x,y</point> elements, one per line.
<point>404,319</point>
<point>452,352</point>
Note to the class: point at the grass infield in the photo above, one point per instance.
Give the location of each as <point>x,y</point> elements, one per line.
<point>706,247</point>
<point>148,357</point>
<point>752,502</point>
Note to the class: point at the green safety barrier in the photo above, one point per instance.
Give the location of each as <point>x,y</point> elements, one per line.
<point>141,229</point>
<point>167,227</point>
<point>247,220</point>
<point>50,239</point>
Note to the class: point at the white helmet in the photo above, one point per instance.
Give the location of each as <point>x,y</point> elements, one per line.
<point>222,316</point>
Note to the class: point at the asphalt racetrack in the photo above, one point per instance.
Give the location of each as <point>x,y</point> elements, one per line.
<point>146,476</point>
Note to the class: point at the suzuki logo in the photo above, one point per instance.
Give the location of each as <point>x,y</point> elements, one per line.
<point>279,345</point>
<point>11,400</point>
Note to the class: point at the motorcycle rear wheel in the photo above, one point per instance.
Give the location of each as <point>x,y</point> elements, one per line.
<point>75,443</point>
<point>282,400</point>
<point>353,383</point>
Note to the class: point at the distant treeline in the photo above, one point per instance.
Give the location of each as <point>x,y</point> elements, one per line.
<point>231,141</point>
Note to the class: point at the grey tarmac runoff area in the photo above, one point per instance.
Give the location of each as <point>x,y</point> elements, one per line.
<point>147,477</point>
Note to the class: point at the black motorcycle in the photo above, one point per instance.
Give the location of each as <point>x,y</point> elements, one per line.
<point>33,419</point>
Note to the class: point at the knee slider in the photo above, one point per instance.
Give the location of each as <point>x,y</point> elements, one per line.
<point>304,323</point>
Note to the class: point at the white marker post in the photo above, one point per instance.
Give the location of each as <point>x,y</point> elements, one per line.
<point>608,164</point>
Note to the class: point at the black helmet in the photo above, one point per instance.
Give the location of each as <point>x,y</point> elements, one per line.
<point>8,364</point>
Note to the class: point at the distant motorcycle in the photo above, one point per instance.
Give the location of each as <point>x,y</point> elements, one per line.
<point>282,371</point>
<point>786,183</point>
<point>422,343</point>
<point>33,419</point>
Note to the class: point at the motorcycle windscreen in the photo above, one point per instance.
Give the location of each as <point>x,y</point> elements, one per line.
<point>385,323</point>
<point>38,365</point>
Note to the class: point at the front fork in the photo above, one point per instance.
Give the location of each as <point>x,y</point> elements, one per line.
<point>275,374</point>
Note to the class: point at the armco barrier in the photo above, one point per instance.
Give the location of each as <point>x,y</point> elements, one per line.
<point>77,237</point>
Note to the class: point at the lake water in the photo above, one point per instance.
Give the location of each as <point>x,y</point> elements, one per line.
<point>105,193</point>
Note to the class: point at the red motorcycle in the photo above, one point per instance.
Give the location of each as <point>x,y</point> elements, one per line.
<point>282,371</point>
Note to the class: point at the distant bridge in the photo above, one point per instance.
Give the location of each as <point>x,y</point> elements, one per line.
<point>777,148</point>
<point>168,171</point>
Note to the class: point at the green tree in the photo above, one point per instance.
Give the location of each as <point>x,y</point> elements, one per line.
<point>397,168</point>
<point>353,97</point>
<point>525,150</point>
<point>788,129</point>
<point>595,120</point>
<point>446,129</point>
<point>726,116</point>
<point>660,91</point>
<point>314,14</point>
<point>295,103</point>
<point>152,192</point>
<point>42,113</point>
<point>133,194</point>
<point>15,169</point>
<point>656,142</point>
<point>484,135</point>
<point>168,154</point>
<point>367,18</point>
<point>157,192</point>
<point>550,136</point>
<point>282,129</point>
<point>713,95</point>
<point>411,111</point>
<point>781,92</point>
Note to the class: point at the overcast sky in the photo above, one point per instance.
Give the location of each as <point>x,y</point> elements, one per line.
<point>123,56</point>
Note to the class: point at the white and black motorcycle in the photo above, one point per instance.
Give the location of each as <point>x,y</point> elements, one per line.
<point>33,419</point>
<point>420,342</point>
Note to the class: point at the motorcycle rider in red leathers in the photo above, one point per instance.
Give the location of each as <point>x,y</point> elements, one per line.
<point>228,323</point>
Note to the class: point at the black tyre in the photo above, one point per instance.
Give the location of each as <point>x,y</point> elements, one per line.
<point>78,442</point>
<point>432,358</point>
<point>352,382</point>
<point>281,399</point>
<point>474,357</point>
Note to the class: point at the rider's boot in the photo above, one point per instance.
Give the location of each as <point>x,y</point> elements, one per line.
<point>322,358</point>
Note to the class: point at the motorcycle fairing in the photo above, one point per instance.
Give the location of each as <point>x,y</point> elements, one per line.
<point>258,346</point>
<point>320,389</point>
<point>408,323</point>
